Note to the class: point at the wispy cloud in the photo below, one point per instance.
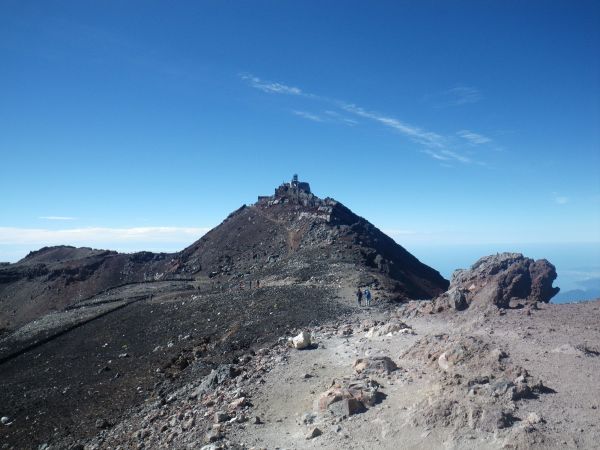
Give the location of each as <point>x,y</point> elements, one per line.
<point>336,116</point>
<point>98,235</point>
<point>448,155</point>
<point>57,218</point>
<point>473,138</point>
<point>424,137</point>
<point>307,115</point>
<point>271,87</point>
<point>462,95</point>
<point>456,96</point>
<point>439,147</point>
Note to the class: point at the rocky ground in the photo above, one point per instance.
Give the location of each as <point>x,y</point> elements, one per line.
<point>503,379</point>
<point>65,372</point>
<point>251,338</point>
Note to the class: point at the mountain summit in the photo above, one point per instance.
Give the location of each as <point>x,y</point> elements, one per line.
<point>294,236</point>
<point>289,237</point>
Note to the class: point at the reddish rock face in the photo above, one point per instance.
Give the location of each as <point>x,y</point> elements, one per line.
<point>498,279</point>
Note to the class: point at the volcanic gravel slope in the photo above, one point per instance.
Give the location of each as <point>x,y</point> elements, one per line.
<point>286,237</point>
<point>91,335</point>
<point>290,240</point>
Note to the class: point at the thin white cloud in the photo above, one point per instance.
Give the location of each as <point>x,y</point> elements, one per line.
<point>307,115</point>
<point>447,155</point>
<point>270,87</point>
<point>438,145</point>
<point>57,218</point>
<point>336,116</point>
<point>98,235</point>
<point>424,137</point>
<point>473,138</point>
<point>456,96</point>
<point>461,95</point>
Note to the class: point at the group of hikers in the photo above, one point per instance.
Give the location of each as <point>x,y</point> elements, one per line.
<point>366,294</point>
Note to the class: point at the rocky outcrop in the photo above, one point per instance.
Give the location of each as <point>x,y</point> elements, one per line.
<point>497,280</point>
<point>478,387</point>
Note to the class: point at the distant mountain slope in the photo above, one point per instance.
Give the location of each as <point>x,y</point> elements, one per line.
<point>54,278</point>
<point>290,237</point>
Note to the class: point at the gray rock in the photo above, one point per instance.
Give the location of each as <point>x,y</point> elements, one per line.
<point>102,424</point>
<point>313,433</point>
<point>221,416</point>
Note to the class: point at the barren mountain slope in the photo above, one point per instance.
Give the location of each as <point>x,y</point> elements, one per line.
<point>292,235</point>
<point>113,331</point>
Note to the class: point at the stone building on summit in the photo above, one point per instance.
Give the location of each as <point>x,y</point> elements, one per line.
<point>293,192</point>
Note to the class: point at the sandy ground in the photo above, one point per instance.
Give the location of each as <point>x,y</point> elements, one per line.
<point>547,343</point>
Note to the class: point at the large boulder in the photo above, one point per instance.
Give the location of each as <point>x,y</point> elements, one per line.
<point>349,397</point>
<point>499,279</point>
<point>381,365</point>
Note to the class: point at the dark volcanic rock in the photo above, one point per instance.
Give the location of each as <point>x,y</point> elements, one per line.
<point>499,279</point>
<point>296,235</point>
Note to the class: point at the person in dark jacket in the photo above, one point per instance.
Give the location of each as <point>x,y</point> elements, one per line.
<point>367,297</point>
<point>359,295</point>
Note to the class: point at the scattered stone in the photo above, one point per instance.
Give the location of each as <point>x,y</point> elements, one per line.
<point>4,420</point>
<point>301,341</point>
<point>313,433</point>
<point>102,424</point>
<point>221,416</point>
<point>238,403</point>
<point>213,436</point>
<point>375,365</point>
<point>533,419</point>
<point>389,329</point>
<point>358,393</point>
<point>211,447</point>
<point>308,418</point>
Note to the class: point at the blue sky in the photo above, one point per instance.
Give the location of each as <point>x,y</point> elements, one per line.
<point>140,125</point>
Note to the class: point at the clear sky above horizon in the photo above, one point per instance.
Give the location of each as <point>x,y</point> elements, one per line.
<point>141,124</point>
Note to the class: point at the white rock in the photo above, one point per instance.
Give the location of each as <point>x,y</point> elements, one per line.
<point>301,341</point>
<point>4,420</point>
<point>533,419</point>
<point>443,362</point>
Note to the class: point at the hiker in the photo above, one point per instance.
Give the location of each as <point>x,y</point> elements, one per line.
<point>368,297</point>
<point>257,283</point>
<point>359,295</point>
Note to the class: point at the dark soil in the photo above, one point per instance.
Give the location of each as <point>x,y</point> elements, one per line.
<point>62,387</point>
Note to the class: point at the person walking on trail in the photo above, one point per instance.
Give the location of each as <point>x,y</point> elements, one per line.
<point>359,295</point>
<point>368,297</point>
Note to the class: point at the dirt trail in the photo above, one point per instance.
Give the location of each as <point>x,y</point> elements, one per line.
<point>570,414</point>
<point>288,395</point>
